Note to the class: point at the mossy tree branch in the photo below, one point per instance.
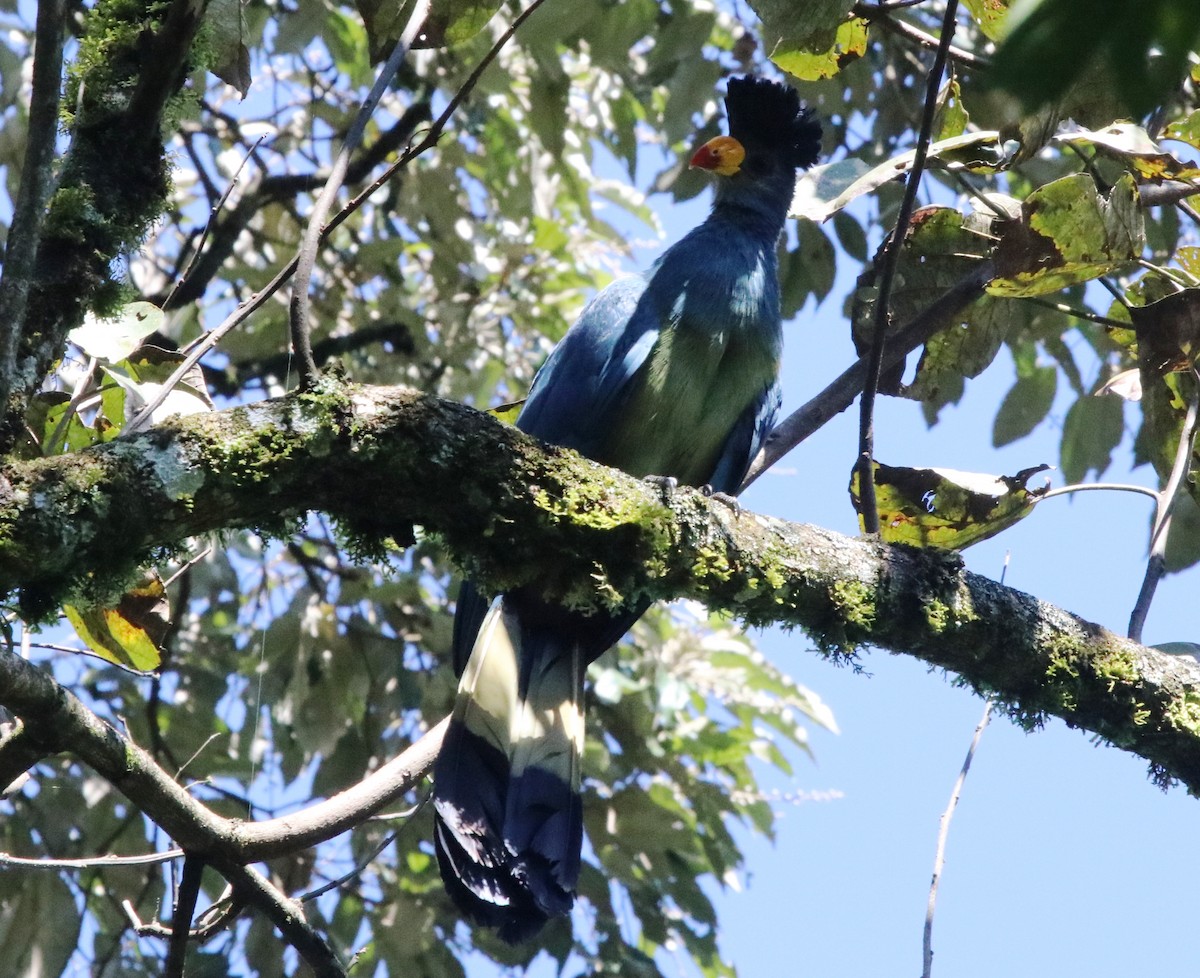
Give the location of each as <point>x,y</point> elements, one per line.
<point>515,512</point>
<point>132,62</point>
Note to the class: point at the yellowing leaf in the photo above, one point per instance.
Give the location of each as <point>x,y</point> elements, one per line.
<point>945,508</point>
<point>129,634</point>
<point>990,15</point>
<point>1133,145</point>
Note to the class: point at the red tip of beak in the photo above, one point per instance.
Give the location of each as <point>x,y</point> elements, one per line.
<point>705,158</point>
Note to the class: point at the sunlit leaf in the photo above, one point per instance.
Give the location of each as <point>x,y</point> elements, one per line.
<point>142,377</point>
<point>1133,145</point>
<point>1186,130</point>
<point>951,118</point>
<point>990,15</point>
<point>507,412</point>
<point>1068,233</point>
<point>114,339</point>
<point>820,56</point>
<point>1126,385</point>
<point>945,508</point>
<point>129,634</point>
<point>826,189</point>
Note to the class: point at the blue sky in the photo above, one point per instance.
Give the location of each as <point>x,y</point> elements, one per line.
<point>1063,858</point>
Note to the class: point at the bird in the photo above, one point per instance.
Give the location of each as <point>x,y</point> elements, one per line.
<point>672,374</point>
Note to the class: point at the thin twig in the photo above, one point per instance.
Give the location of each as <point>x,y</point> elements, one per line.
<point>882,317</point>
<point>198,251</point>
<point>251,305</point>
<point>391,837</point>
<point>1156,564</point>
<point>299,307</point>
<point>939,860</point>
<point>37,179</point>
<point>881,14</point>
<point>1085,314</point>
<point>53,444</point>
<point>1091,486</point>
<point>90,862</point>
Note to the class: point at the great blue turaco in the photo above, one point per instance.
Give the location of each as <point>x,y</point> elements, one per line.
<point>673,374</point>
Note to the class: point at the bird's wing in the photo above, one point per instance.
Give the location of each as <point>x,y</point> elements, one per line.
<point>579,387</point>
<point>745,440</point>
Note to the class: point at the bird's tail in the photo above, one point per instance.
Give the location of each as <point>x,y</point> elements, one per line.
<point>506,783</point>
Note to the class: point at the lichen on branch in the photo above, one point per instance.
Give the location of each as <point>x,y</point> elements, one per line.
<point>516,512</point>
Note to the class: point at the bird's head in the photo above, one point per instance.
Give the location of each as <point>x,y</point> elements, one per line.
<point>771,134</point>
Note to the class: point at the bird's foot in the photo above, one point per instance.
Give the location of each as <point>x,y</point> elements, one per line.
<point>665,484</point>
<point>723,498</point>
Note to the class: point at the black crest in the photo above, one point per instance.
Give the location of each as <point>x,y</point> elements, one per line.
<point>769,114</point>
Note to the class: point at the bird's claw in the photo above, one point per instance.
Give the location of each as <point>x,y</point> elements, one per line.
<point>723,498</point>
<point>666,485</point>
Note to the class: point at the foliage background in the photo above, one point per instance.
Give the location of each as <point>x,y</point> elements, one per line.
<point>281,676</point>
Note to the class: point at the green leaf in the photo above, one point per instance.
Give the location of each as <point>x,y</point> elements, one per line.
<point>1067,234</point>
<point>941,248</point>
<point>952,118</point>
<point>1183,538</point>
<point>809,270</point>
<point>1186,130</point>
<point>850,235</point>
<point>1144,46</point>
<point>225,23</point>
<point>823,56</point>
<point>1093,427</point>
<point>507,412</point>
<point>1168,331</point>
<point>990,15</point>
<point>1025,405</point>
<point>1134,147</point>
<point>39,924</point>
<point>945,508</point>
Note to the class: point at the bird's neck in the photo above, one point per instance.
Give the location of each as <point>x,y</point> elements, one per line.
<point>759,209</point>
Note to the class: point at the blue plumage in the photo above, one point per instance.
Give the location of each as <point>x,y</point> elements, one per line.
<point>671,373</point>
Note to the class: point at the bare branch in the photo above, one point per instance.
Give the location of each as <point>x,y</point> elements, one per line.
<point>37,179</point>
<point>939,859</point>
<point>288,916</point>
<point>1156,563</point>
<point>300,326</point>
<point>181,916</point>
